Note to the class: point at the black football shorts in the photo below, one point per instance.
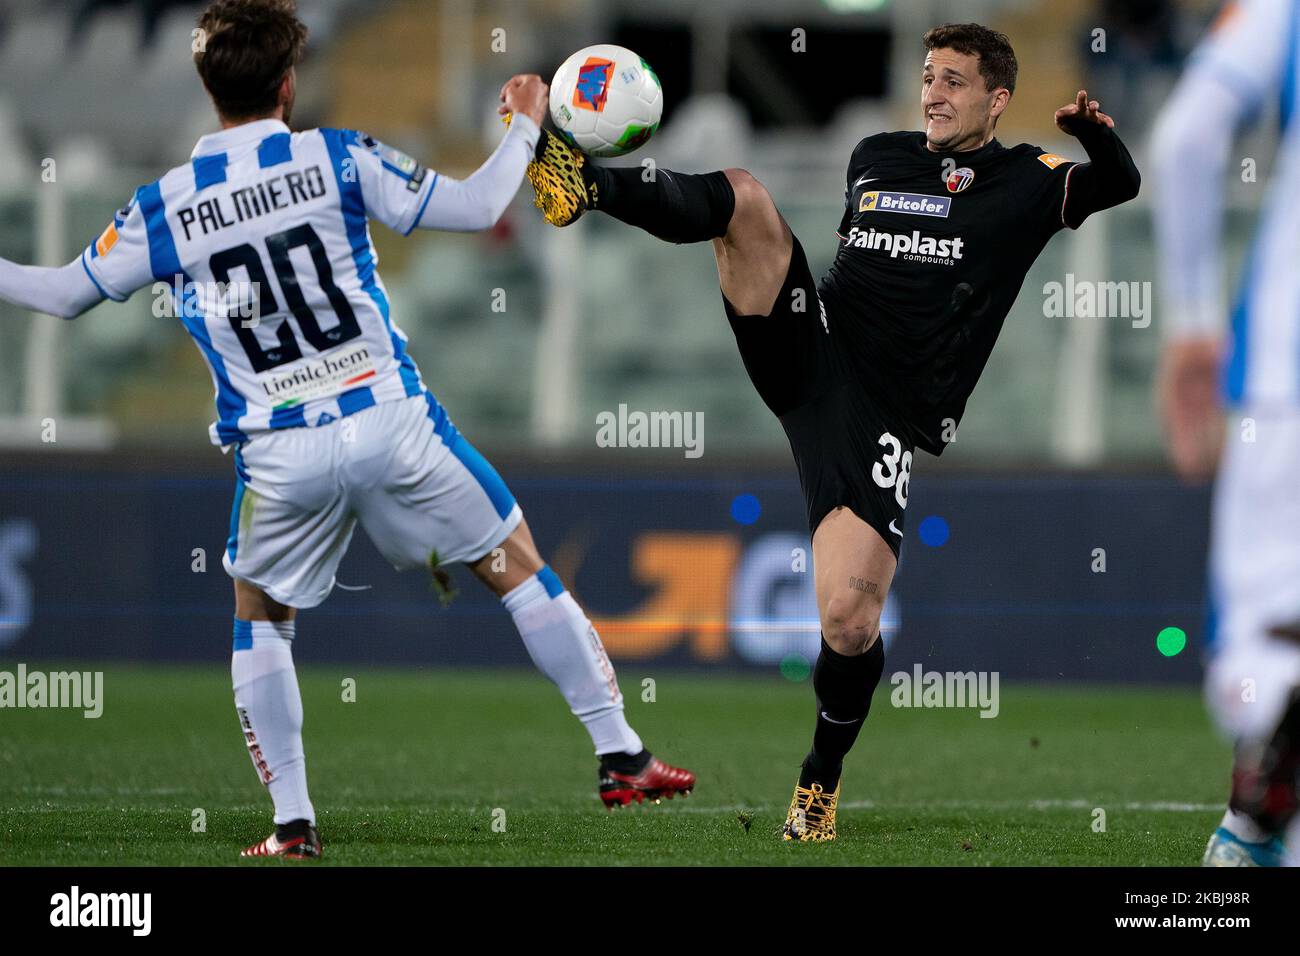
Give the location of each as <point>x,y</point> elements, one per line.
<point>850,448</point>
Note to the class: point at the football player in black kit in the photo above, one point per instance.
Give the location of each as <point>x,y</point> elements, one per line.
<point>878,358</point>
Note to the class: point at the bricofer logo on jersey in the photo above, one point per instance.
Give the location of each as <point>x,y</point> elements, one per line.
<point>916,204</point>
<point>913,247</point>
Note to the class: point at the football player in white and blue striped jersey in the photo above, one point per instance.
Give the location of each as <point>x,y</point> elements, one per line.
<point>1248,66</point>
<point>262,245</point>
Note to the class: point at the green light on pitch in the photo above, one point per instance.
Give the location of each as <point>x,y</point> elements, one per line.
<point>795,667</point>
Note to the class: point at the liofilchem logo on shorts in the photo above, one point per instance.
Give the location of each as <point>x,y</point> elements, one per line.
<point>318,377</point>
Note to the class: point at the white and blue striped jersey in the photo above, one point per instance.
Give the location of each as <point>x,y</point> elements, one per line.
<point>1247,66</point>
<point>261,244</point>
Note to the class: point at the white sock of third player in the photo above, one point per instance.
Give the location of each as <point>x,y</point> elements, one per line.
<point>1243,827</point>
<point>270,713</point>
<point>566,648</point>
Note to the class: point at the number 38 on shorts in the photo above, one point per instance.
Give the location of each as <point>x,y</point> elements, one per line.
<point>894,469</point>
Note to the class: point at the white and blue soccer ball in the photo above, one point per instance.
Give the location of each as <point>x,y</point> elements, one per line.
<point>606,100</point>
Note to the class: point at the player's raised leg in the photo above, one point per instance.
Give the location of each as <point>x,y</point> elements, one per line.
<point>675,207</point>
<point>751,241</point>
<point>269,705</point>
<point>853,568</point>
<point>566,648</point>
<point>754,253</point>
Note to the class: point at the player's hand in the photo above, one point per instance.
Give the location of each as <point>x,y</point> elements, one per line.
<point>526,94</point>
<point>1082,110</point>
<point>1187,396</point>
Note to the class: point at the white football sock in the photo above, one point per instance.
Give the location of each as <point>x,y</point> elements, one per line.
<point>270,713</point>
<point>566,648</point>
<point>1244,828</point>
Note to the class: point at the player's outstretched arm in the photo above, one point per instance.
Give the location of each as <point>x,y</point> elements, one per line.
<point>64,291</point>
<point>478,201</point>
<point>1110,176</point>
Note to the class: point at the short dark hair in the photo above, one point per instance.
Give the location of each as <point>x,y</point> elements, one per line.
<point>997,59</point>
<point>245,50</point>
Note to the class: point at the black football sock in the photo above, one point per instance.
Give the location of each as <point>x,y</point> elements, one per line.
<point>844,686</point>
<point>631,764</point>
<point>292,829</point>
<point>676,207</point>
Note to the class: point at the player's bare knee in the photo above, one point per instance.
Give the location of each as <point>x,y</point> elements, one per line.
<point>748,190</point>
<point>756,215</point>
<point>850,622</point>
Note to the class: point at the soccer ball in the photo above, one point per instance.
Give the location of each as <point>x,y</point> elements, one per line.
<point>605,100</point>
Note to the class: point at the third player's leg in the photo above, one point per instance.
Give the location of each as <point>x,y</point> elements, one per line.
<point>754,254</point>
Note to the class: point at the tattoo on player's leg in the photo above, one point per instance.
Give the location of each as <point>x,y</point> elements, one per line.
<point>863,585</point>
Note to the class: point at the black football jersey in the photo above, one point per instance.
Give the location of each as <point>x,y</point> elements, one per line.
<point>933,250</point>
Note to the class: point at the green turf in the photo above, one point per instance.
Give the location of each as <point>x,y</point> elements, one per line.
<point>412,772</point>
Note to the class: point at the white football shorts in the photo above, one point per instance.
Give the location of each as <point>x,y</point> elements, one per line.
<point>1255,573</point>
<point>400,468</point>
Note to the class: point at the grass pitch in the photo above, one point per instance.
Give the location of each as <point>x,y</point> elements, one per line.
<point>419,768</point>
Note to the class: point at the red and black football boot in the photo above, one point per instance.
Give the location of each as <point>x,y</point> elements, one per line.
<point>296,840</point>
<point>626,779</point>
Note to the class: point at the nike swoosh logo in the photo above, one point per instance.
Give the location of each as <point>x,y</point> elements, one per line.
<point>863,180</point>
<point>841,722</point>
<point>895,530</point>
